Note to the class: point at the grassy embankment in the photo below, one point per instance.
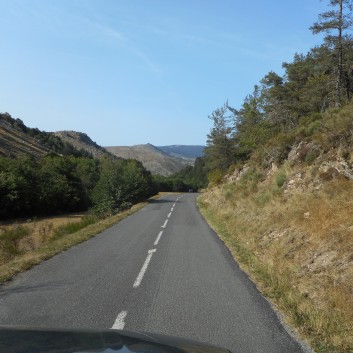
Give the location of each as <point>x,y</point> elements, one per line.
<point>297,246</point>
<point>25,244</point>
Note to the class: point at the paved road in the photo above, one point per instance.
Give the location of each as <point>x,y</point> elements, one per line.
<point>160,270</point>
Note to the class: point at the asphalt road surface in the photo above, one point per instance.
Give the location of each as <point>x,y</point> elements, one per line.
<point>161,270</point>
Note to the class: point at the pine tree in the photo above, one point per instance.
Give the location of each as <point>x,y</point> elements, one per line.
<point>220,150</point>
<point>338,20</point>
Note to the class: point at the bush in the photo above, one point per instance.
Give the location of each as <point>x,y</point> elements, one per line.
<point>70,228</point>
<point>310,156</point>
<point>281,178</point>
<point>9,240</point>
<point>263,198</point>
<point>215,177</point>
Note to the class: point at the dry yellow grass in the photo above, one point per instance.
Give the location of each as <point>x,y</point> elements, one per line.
<point>40,231</point>
<point>41,242</point>
<point>298,248</point>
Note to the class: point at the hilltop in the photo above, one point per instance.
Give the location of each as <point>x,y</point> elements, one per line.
<point>82,141</point>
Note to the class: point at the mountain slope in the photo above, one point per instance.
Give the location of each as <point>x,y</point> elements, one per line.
<point>16,138</point>
<point>152,158</point>
<point>14,142</point>
<point>82,141</point>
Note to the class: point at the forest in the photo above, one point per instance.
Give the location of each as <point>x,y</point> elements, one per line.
<point>58,184</point>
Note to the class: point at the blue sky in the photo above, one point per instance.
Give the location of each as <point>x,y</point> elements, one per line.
<point>142,71</point>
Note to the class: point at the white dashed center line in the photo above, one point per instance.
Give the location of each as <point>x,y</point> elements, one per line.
<point>159,237</point>
<point>144,268</point>
<point>119,322</point>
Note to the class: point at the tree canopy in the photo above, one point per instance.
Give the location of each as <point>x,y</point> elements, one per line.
<point>284,108</point>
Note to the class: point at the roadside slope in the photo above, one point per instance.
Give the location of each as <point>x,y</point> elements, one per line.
<point>291,230</point>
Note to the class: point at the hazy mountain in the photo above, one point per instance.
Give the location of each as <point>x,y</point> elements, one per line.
<point>183,151</point>
<point>153,158</point>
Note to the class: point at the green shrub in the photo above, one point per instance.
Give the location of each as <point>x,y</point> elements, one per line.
<point>314,171</point>
<point>9,240</point>
<point>104,208</point>
<point>70,228</point>
<point>215,177</point>
<point>229,190</point>
<point>263,198</point>
<point>232,168</point>
<point>311,156</point>
<point>281,178</point>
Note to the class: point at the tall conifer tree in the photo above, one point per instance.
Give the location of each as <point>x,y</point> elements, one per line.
<point>335,24</point>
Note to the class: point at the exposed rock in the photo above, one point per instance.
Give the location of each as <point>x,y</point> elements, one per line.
<point>296,182</point>
<point>238,173</point>
<point>322,261</point>
<point>332,169</point>
<point>273,170</point>
<point>302,151</point>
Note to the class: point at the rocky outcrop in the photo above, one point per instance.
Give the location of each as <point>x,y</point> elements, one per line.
<point>82,141</point>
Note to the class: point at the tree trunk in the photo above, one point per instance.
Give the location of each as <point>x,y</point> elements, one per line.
<point>340,56</point>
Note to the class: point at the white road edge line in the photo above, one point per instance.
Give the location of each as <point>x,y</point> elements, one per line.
<point>159,237</point>
<point>165,224</point>
<point>119,322</point>
<point>144,268</point>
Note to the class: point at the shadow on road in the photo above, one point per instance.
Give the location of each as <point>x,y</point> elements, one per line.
<point>160,201</point>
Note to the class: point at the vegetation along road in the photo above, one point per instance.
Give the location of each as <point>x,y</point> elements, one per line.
<point>160,270</point>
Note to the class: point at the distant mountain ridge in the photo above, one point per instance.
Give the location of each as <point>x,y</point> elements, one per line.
<point>183,151</point>
<point>153,158</point>
<point>16,139</point>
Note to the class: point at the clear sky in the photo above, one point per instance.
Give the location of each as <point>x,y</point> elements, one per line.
<point>142,71</point>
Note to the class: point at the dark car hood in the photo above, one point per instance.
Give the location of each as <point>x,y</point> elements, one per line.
<point>29,340</point>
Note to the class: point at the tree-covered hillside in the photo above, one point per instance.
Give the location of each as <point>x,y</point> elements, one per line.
<point>48,176</point>
<point>284,109</point>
